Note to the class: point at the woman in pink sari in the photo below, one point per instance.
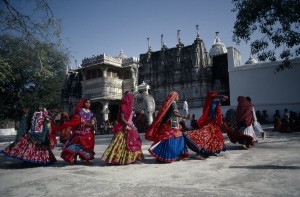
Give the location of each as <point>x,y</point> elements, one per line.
<point>126,145</point>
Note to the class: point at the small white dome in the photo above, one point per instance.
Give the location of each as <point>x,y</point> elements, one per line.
<point>251,60</point>
<point>218,47</point>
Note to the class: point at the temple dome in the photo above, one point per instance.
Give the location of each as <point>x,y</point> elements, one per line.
<point>218,47</point>
<point>122,55</point>
<point>251,60</point>
<point>143,87</point>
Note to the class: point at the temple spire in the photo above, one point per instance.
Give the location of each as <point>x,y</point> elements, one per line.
<point>197,28</point>
<point>178,36</point>
<point>149,47</point>
<point>180,44</point>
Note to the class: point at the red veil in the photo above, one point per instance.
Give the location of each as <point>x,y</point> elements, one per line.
<point>134,142</point>
<point>126,108</point>
<point>244,111</point>
<point>202,121</point>
<point>75,120</point>
<point>155,132</point>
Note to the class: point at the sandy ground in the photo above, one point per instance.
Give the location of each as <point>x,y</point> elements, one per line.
<point>271,168</point>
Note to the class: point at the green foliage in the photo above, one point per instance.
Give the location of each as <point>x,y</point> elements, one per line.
<point>278,23</point>
<point>32,63</point>
<point>25,79</point>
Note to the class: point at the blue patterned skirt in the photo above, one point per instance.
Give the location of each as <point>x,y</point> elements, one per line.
<point>169,150</point>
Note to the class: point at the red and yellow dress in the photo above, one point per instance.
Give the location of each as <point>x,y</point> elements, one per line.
<point>126,145</point>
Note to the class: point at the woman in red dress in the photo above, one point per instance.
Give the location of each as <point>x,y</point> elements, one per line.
<point>208,140</point>
<point>82,140</point>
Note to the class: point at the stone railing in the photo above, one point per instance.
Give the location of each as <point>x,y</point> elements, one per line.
<point>102,88</point>
<point>102,59</point>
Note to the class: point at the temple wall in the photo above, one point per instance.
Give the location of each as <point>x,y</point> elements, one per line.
<point>268,90</point>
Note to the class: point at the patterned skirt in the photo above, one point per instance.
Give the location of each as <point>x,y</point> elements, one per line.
<point>169,150</point>
<point>206,141</point>
<point>26,150</point>
<point>117,152</point>
<point>236,134</point>
<point>79,145</point>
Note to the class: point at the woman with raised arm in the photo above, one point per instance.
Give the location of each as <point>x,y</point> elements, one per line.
<point>82,140</point>
<point>208,140</point>
<point>165,132</point>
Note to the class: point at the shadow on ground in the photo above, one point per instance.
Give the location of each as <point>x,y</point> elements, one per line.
<point>264,167</point>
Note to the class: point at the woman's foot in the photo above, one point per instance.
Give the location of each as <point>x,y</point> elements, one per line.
<point>88,163</point>
<point>75,159</point>
<point>138,162</point>
<point>220,154</point>
<point>248,145</point>
<point>199,157</point>
<point>244,146</point>
<point>184,158</point>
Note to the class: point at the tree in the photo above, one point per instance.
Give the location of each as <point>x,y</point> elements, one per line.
<point>278,22</point>
<point>24,80</point>
<point>32,61</point>
<point>31,20</point>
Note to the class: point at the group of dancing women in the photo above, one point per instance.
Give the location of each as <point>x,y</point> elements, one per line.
<point>171,141</point>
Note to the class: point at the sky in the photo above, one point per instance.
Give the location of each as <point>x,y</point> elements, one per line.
<point>94,27</point>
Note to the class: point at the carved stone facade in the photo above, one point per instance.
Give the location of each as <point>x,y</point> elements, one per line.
<point>188,70</point>
<point>103,79</point>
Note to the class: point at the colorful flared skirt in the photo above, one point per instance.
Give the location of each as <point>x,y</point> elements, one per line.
<point>117,152</point>
<point>79,145</point>
<point>26,150</point>
<point>244,136</point>
<point>206,141</point>
<point>169,150</point>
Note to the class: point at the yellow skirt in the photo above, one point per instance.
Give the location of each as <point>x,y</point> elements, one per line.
<point>117,153</point>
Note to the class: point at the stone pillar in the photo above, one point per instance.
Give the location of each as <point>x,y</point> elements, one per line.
<point>104,70</point>
<point>105,110</point>
<point>134,74</point>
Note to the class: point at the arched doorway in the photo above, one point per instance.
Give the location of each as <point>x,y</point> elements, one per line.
<point>97,108</point>
<point>113,112</point>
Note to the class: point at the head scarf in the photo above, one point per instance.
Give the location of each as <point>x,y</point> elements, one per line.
<point>80,105</point>
<point>152,132</point>
<point>75,119</point>
<point>125,108</point>
<point>206,108</point>
<point>34,108</point>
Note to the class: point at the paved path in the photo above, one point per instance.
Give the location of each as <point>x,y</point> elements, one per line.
<point>271,168</point>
